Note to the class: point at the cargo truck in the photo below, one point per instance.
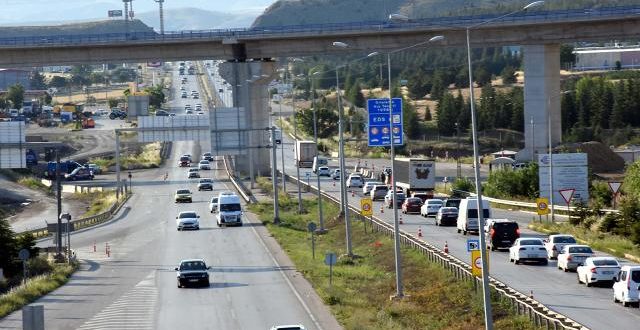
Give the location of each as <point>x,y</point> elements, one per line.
<point>305,152</point>
<point>415,175</point>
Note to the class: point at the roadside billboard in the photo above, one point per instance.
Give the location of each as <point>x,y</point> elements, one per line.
<point>570,171</point>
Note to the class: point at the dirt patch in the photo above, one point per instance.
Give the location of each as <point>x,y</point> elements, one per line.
<point>601,159</point>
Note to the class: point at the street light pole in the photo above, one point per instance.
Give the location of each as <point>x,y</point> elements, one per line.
<point>343,191</point>
<point>458,165</point>
<point>315,139</point>
<point>295,134</point>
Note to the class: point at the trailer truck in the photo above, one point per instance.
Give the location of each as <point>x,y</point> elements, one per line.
<point>305,151</point>
<point>415,175</point>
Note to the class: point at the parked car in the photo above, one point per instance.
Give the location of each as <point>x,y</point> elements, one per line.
<point>430,207</point>
<point>192,272</point>
<point>336,174</point>
<point>204,165</point>
<point>80,173</point>
<point>573,255</point>
<point>598,269</point>
<point>117,113</point>
<point>205,184</point>
<point>555,243</point>
<point>324,171</point>
<point>447,216</point>
<point>379,191</point>
<point>182,195</point>
<point>528,249</point>
<point>411,205</point>
<point>355,180</point>
<point>193,173</point>
<point>162,113</point>
<point>501,233</point>
<point>213,204</point>
<point>188,220</point>
<point>388,199</point>
<point>366,188</point>
<point>626,287</point>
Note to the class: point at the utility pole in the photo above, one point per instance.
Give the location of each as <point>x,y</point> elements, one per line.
<point>458,165</point>
<point>274,176</point>
<point>160,2</point>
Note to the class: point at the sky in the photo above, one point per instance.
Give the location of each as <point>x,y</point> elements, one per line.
<point>16,12</point>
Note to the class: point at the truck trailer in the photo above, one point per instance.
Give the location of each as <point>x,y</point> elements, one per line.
<point>415,175</point>
<point>305,152</point>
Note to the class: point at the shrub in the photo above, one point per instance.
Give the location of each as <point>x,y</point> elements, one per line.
<point>461,186</point>
<point>600,193</point>
<point>609,223</point>
<point>579,213</point>
<point>38,266</point>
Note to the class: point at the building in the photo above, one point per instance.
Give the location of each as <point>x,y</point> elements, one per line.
<point>607,58</point>
<point>10,77</point>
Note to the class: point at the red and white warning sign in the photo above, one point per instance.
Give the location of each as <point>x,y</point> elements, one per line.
<point>615,186</point>
<point>567,195</point>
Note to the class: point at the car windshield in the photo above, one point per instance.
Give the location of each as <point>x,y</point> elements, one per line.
<point>531,242</point>
<point>605,262</point>
<point>187,215</point>
<point>580,249</point>
<point>564,239</point>
<point>414,200</point>
<point>206,181</point>
<point>229,207</point>
<point>183,191</point>
<point>435,203</point>
<point>184,158</point>
<point>193,265</point>
<point>193,170</point>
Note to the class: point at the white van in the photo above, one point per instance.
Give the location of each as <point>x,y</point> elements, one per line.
<point>319,161</point>
<point>626,286</point>
<point>229,210</point>
<point>468,215</point>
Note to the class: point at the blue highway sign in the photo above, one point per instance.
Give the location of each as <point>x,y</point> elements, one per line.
<point>378,129</point>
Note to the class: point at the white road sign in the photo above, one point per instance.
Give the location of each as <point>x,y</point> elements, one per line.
<point>570,171</point>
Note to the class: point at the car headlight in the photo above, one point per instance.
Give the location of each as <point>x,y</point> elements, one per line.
<point>181,276</point>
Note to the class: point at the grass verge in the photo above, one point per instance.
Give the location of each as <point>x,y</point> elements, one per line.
<point>99,202</point>
<point>33,183</point>
<point>148,157</point>
<point>359,296</point>
<point>613,244</point>
<point>35,288</point>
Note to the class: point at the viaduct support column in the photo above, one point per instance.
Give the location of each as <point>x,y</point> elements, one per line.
<point>541,99</point>
<point>250,81</point>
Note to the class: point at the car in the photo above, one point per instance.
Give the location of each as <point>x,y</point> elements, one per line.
<point>355,180</point>
<point>162,113</point>
<point>184,161</point>
<point>501,233</point>
<point>207,156</point>
<point>324,171</point>
<point>80,173</point>
<point>193,173</point>
<point>183,195</point>
<point>598,269</point>
<point>94,168</point>
<point>452,202</point>
<point>188,112</point>
<point>447,216</point>
<point>198,105</point>
<point>555,243</point>
<point>188,220</point>
<point>411,205</point>
<point>336,174</point>
<point>288,327</point>
<point>199,113</point>
<point>422,195</point>
<point>379,191</point>
<point>196,96</point>
<point>184,80</point>
<point>528,249</point>
<point>573,255</point>
<point>205,184</point>
<point>389,196</point>
<point>171,114</point>
<point>183,95</point>
<point>626,287</point>
<point>192,272</point>
<point>430,207</point>
<point>194,92</point>
<point>182,88</point>
<point>204,165</point>
<point>188,156</point>
<point>213,204</point>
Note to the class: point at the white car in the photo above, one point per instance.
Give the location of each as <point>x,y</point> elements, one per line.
<point>324,171</point>
<point>528,249</point>
<point>188,220</point>
<point>355,180</point>
<point>555,243</point>
<point>598,269</point>
<point>626,287</point>
<point>366,189</point>
<point>573,255</point>
<point>204,165</point>
<point>213,204</point>
<point>430,207</point>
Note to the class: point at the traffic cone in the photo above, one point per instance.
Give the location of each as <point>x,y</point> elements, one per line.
<point>446,247</point>
<point>94,246</point>
<point>381,208</point>
<point>353,193</point>
<point>419,231</point>
<point>334,183</point>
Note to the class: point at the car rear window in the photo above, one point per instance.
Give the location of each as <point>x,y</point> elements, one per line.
<point>505,226</point>
<point>531,242</point>
<point>473,213</point>
<point>635,276</point>
<point>605,262</point>
<point>580,249</point>
<point>564,239</point>
<point>449,210</point>
<point>183,191</point>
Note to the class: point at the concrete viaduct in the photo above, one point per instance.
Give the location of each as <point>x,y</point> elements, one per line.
<point>250,51</point>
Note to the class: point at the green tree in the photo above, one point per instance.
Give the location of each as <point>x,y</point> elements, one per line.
<point>15,95</point>
<point>28,241</point>
<point>8,251</point>
<point>113,102</point>
<point>508,75</point>
<point>410,120</point>
<point>481,76</point>
<point>447,115</point>
<point>58,82</point>
<point>36,81</point>
<point>156,96</point>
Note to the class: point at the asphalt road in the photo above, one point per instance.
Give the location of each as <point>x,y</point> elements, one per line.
<point>593,307</point>
<point>253,285</point>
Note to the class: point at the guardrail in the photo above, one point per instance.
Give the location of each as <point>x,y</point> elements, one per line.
<point>248,197</point>
<point>534,205</point>
<point>539,314</point>
<point>459,22</point>
<point>84,222</point>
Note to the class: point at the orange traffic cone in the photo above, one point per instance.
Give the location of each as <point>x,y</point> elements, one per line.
<point>446,247</point>
<point>353,193</point>
<point>419,231</point>
<point>381,209</point>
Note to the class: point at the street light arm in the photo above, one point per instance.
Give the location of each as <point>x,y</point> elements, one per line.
<point>525,8</point>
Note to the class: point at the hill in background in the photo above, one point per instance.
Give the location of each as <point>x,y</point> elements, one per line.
<point>99,27</point>
<point>197,19</point>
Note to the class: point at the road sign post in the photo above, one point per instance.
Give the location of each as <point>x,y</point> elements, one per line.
<point>24,256</point>
<point>312,228</point>
<point>379,134</point>
<point>330,259</point>
<point>615,187</point>
<point>542,208</point>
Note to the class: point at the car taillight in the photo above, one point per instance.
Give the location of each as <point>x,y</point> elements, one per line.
<point>492,232</point>
<point>518,232</point>
<point>594,270</point>
<point>554,248</point>
<point>629,281</point>
<point>569,258</point>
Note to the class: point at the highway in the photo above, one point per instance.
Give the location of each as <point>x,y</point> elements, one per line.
<point>593,307</point>
<point>253,285</point>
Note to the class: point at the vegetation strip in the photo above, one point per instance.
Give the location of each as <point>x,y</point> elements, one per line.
<point>359,296</point>
<point>35,288</point>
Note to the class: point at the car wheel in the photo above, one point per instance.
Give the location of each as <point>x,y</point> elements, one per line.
<point>516,261</point>
<point>178,229</point>
<point>207,284</point>
<point>464,232</point>
<point>565,269</point>
<point>458,230</point>
<point>589,284</point>
<point>615,300</point>
<point>545,262</point>
<point>624,303</point>
<point>179,285</point>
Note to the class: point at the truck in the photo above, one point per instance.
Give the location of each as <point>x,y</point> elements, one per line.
<point>305,151</point>
<point>415,175</point>
<point>66,167</point>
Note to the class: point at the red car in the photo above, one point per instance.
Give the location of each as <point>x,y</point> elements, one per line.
<point>184,162</point>
<point>411,205</point>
